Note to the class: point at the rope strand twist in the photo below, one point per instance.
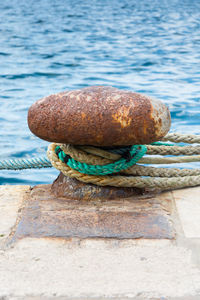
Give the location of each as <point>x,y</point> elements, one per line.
<point>117,167</point>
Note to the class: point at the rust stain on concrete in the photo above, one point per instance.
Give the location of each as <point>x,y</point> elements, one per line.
<point>139,216</point>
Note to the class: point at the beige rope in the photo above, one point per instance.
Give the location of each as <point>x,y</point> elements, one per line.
<point>144,160</point>
<point>161,150</point>
<point>161,172</point>
<point>175,150</point>
<point>169,160</point>
<point>162,178</point>
<point>83,156</point>
<point>182,138</point>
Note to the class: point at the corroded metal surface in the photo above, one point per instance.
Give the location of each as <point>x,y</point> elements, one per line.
<point>99,116</point>
<point>71,188</point>
<point>45,215</point>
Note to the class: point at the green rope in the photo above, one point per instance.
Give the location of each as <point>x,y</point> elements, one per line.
<point>162,144</point>
<point>128,159</point>
<point>22,163</point>
<point>122,150</point>
<point>43,162</point>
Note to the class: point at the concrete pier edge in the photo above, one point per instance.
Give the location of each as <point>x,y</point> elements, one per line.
<point>67,267</point>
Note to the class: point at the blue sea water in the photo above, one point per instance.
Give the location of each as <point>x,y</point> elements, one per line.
<point>152,47</point>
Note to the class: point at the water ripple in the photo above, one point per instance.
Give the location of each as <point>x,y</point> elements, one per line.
<point>150,47</point>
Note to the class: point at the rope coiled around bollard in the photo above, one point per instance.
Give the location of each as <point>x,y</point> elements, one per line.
<point>128,158</point>
<point>136,175</point>
<point>129,174</point>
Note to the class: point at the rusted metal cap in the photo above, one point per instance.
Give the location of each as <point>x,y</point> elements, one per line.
<point>99,116</point>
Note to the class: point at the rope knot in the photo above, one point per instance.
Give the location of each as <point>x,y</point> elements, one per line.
<point>128,155</point>
<point>117,167</point>
<point>128,158</point>
<point>64,157</point>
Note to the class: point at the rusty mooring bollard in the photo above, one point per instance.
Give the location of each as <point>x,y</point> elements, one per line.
<point>97,116</point>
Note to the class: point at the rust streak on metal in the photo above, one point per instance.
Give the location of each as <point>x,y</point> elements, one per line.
<point>70,188</point>
<point>138,216</point>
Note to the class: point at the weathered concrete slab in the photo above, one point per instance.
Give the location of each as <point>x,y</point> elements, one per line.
<point>11,199</point>
<point>98,268</point>
<point>102,298</point>
<point>75,268</point>
<point>188,205</point>
<point>45,215</point>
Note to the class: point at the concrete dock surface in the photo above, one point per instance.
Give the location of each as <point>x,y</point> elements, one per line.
<point>145,248</point>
